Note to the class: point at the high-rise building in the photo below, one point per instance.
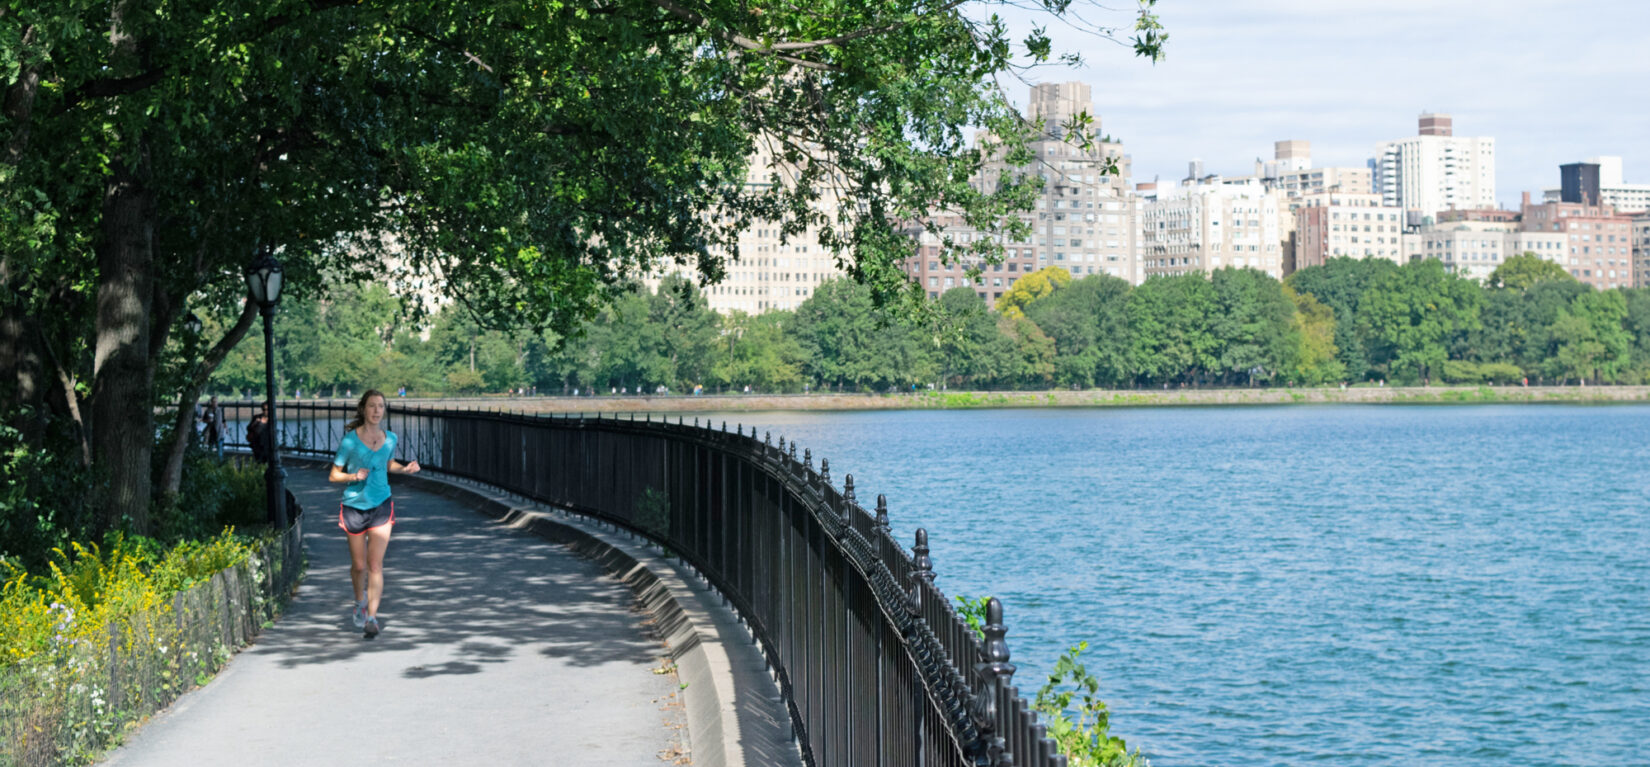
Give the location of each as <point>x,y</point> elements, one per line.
<point>1598,242</point>
<point>1436,170</point>
<point>1205,225</point>
<point>1084,220</point>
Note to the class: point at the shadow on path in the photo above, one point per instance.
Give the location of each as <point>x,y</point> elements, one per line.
<point>497,648</point>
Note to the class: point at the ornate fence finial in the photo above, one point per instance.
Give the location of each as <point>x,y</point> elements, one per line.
<point>724,427</point>
<point>793,451</point>
<point>824,471</point>
<point>648,417</point>
<point>696,422</point>
<point>848,490</point>
<point>808,458</point>
<point>920,558</point>
<point>998,674</point>
<point>996,647</point>
<point>882,512</point>
<point>767,439</point>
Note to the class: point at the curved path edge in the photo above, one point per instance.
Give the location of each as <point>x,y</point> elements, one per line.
<point>735,715</point>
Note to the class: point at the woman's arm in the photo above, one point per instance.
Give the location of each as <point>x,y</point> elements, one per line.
<point>397,467</point>
<point>339,475</point>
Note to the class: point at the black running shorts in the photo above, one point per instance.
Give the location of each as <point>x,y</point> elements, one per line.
<point>357,521</point>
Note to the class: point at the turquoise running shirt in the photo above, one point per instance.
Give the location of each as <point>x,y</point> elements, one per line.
<point>354,456</point>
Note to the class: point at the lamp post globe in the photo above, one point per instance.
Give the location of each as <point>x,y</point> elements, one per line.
<point>263,282</point>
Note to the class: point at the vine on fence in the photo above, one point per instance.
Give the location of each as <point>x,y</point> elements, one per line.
<point>1076,718</point>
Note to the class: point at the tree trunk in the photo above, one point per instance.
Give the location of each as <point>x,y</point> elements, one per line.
<point>171,477</point>
<point>23,384</point>
<point>122,379</point>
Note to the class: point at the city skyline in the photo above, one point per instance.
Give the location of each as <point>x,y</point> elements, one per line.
<point>1552,83</point>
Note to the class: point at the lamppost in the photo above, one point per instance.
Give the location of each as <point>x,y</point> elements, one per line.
<point>263,280</point>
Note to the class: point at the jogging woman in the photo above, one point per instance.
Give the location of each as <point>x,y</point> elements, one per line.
<point>367,514</point>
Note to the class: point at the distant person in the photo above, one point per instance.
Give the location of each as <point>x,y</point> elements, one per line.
<point>367,514</point>
<point>258,434</point>
<point>212,418</point>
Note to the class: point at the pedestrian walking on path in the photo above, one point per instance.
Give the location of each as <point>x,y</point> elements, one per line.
<point>364,461</point>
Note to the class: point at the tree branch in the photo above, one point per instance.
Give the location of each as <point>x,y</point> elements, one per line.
<point>737,39</point>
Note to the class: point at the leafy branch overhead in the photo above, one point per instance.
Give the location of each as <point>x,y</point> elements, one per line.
<point>528,160</point>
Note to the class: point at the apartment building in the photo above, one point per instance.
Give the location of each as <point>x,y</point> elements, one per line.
<point>1084,220</point>
<point>1474,248</point>
<point>1641,249</point>
<point>1207,224</point>
<point>1598,242</point>
<point>1436,170</point>
<point>1598,181</point>
<point>1351,224</point>
<point>767,271</point>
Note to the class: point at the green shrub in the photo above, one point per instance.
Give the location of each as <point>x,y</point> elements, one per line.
<point>213,495</point>
<point>1501,372</point>
<point>47,499</point>
<point>1460,371</point>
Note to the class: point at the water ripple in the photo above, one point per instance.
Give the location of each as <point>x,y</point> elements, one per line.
<point>1339,585</point>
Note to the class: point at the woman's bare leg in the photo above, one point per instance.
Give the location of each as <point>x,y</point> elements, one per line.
<point>378,541</point>
<point>358,566</point>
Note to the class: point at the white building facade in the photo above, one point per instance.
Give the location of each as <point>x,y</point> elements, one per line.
<point>1346,224</point>
<point>768,272</point>
<point>1200,227</point>
<point>1436,170</point>
<point>1085,221</point>
<point>1475,248</point>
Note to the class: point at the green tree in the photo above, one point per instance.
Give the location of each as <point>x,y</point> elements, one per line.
<point>1524,270</point>
<point>972,352</point>
<point>761,352</point>
<point>1637,325</point>
<point>1588,340</point>
<point>686,331</point>
<point>849,342</point>
<point>144,162</point>
<point>1169,329</point>
<point>1251,324</point>
<point>1033,360</point>
<point>1410,313</point>
<point>1312,354</point>
<point>1088,320</point>
<point>1340,283</point>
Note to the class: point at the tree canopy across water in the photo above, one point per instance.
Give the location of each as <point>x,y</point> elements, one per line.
<point>525,158</point>
<point>1234,327</point>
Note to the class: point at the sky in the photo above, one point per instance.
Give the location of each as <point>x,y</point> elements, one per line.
<point>1552,81</point>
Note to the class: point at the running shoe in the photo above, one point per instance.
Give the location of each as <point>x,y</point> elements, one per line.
<point>372,626</point>
<point>360,616</point>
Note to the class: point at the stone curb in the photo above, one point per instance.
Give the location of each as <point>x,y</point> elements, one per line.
<point>735,714</point>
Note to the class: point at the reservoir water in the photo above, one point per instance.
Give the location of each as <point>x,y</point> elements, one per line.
<point>1340,585</point>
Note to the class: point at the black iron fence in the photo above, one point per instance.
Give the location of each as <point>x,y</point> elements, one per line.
<point>877,668</point>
